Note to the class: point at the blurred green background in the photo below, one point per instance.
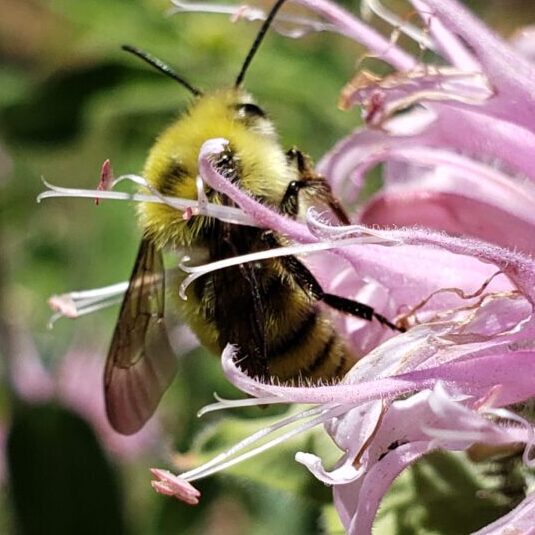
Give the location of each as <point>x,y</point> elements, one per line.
<point>69,99</point>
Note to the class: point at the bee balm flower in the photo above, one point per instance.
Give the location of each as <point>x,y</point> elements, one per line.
<point>445,246</point>
<point>458,161</point>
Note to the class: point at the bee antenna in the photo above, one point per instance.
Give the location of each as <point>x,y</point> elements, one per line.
<point>258,40</point>
<point>159,65</point>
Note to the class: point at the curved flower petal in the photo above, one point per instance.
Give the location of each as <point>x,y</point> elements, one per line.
<point>261,213</point>
<point>459,196</point>
<point>361,512</point>
<point>343,474</point>
<point>402,439</point>
<point>510,73</point>
<point>517,266</point>
<point>468,131</point>
<point>450,46</point>
<point>453,213</point>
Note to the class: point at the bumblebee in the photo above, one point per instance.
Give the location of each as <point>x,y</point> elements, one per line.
<point>271,311</point>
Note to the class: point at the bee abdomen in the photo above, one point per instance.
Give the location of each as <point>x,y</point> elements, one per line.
<point>317,354</point>
<point>278,329</point>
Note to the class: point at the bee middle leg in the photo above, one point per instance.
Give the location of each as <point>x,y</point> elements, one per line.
<point>348,306</point>
<point>313,184</point>
<point>306,280</point>
<point>319,189</point>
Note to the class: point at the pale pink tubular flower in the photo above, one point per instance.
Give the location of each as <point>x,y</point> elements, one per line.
<point>461,161</point>
<point>473,356</point>
<point>458,163</point>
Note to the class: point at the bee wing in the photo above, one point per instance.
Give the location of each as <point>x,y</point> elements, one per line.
<point>141,363</point>
<point>227,244</point>
<point>257,321</point>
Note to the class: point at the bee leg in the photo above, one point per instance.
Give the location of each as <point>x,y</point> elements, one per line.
<point>360,310</point>
<point>308,282</point>
<point>317,188</point>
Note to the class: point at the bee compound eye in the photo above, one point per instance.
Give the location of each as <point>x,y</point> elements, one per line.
<point>249,110</point>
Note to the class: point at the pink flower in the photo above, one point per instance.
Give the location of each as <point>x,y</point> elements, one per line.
<point>469,354</point>
<point>446,245</point>
<point>460,161</point>
<point>470,349</point>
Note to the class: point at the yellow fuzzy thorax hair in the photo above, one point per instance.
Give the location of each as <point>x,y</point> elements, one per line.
<point>172,164</point>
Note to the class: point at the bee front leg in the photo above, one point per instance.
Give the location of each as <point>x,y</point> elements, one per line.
<point>316,187</point>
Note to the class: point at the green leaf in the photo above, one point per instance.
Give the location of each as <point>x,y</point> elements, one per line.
<point>441,494</point>
<point>330,521</point>
<point>61,482</point>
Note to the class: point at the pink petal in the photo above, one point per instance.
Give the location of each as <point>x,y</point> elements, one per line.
<point>468,131</point>
<point>344,473</point>
<point>452,213</point>
<point>355,29</point>
<point>451,47</point>
<point>361,509</point>
<point>513,370</point>
<point>351,434</point>
<point>510,73</point>
<point>457,426</point>
<point>408,274</point>
<point>517,266</point>
<point>401,440</point>
<point>261,213</point>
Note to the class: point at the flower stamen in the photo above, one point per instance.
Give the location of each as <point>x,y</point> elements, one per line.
<point>228,214</point>
<point>75,304</point>
<point>317,415</point>
<point>298,249</point>
<point>301,26</point>
<point>399,24</point>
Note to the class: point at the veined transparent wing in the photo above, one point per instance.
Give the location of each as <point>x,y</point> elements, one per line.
<point>141,363</point>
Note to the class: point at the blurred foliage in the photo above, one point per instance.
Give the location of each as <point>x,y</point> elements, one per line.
<point>60,479</point>
<point>441,494</point>
<point>69,99</point>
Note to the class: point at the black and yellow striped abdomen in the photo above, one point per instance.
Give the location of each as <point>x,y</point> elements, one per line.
<point>279,329</point>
